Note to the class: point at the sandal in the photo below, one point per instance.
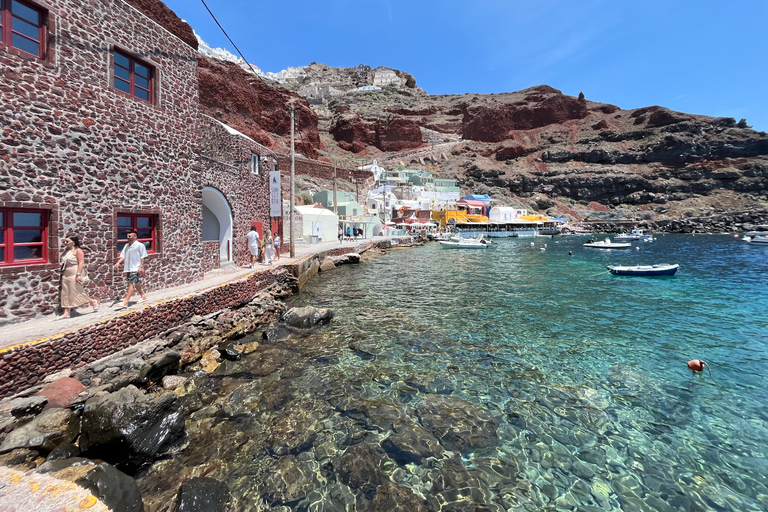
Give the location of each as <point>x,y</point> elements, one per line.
<point>96,307</point>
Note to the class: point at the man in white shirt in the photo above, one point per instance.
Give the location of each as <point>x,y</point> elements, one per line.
<point>132,256</point>
<point>253,245</point>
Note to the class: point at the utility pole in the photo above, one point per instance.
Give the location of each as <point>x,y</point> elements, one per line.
<point>293,199</point>
<point>335,209</point>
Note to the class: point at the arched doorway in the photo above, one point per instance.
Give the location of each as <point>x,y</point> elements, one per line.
<point>217,223</point>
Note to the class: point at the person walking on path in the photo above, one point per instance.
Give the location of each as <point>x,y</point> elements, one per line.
<point>253,245</point>
<point>73,278</point>
<point>276,240</point>
<point>132,257</point>
<point>341,235</point>
<point>269,249</point>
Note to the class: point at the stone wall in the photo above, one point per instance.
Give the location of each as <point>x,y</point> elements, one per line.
<point>225,165</point>
<point>75,146</point>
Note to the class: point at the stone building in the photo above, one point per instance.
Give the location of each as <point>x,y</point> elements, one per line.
<point>102,132</point>
<point>384,77</point>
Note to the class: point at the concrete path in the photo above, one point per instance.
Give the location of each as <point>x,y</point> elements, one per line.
<point>42,328</point>
<point>27,492</point>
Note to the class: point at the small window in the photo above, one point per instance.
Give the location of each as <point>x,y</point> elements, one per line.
<point>22,26</point>
<point>255,164</point>
<point>145,226</point>
<point>133,76</point>
<point>23,236</point>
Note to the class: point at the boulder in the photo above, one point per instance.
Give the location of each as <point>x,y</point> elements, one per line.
<point>361,467</point>
<point>44,432</point>
<point>412,444</point>
<point>202,495</point>
<point>62,393</point>
<point>327,264</point>
<point>130,428</point>
<point>174,381</point>
<point>28,406</point>
<point>307,317</point>
<point>114,488</point>
<point>161,365</point>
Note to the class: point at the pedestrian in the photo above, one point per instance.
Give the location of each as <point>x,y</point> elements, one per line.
<point>132,256</point>
<point>253,245</point>
<point>269,249</point>
<point>341,235</point>
<point>349,233</point>
<point>354,232</point>
<point>276,240</point>
<point>74,277</point>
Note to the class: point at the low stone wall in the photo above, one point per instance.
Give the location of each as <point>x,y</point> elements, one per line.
<point>26,365</point>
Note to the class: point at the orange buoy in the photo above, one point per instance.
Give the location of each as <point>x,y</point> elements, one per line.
<point>696,365</point>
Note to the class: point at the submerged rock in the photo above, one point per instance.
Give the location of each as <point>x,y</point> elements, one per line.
<point>460,425</point>
<point>114,488</point>
<point>202,495</point>
<point>394,498</point>
<point>308,317</point>
<point>288,481</point>
<point>130,428</point>
<point>412,444</point>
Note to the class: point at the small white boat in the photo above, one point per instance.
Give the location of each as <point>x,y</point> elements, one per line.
<point>465,243</point>
<point>662,269</point>
<point>607,244</point>
<point>635,234</point>
<point>757,240</point>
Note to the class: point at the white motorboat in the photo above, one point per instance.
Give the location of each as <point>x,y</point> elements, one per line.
<point>607,244</point>
<point>465,243</point>
<point>757,240</point>
<point>635,234</point>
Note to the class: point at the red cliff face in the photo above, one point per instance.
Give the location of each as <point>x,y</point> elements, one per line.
<point>166,18</point>
<point>258,110</point>
<point>353,133</point>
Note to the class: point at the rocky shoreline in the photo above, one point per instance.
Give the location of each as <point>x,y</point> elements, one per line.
<point>100,424</point>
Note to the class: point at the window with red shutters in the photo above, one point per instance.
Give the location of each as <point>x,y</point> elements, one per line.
<point>22,26</point>
<point>23,236</point>
<point>145,226</point>
<point>133,76</point>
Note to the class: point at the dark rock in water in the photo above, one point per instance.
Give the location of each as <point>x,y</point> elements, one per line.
<point>394,498</point>
<point>21,458</point>
<point>361,467</point>
<point>275,333</point>
<point>65,450</point>
<point>458,424</point>
<point>228,351</point>
<point>430,384</point>
<point>295,431</point>
<point>202,495</point>
<point>130,428</point>
<point>162,365</point>
<point>44,432</point>
<point>53,466</point>
<point>28,406</point>
<point>288,481</point>
<point>308,317</point>
<point>412,443</point>
<point>457,483</point>
<point>114,488</point>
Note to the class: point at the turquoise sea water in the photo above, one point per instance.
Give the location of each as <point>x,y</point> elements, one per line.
<point>583,372</point>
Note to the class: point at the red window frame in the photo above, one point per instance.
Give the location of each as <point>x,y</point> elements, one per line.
<point>9,36</point>
<point>133,76</point>
<point>8,236</point>
<point>145,224</point>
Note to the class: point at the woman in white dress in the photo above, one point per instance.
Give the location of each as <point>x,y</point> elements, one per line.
<point>269,248</point>
<point>73,266</point>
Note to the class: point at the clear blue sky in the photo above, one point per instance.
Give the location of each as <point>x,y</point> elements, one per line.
<point>698,56</point>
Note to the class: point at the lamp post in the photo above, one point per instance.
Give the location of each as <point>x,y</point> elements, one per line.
<point>293,199</point>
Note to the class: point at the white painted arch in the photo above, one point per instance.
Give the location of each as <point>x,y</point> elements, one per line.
<point>215,201</point>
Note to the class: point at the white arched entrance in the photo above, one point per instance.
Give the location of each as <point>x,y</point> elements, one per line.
<point>217,223</point>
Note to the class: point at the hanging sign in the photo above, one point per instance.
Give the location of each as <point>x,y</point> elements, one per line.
<point>275,199</point>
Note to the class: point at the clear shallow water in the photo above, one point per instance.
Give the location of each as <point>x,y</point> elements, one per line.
<point>573,359</point>
<point>522,380</point>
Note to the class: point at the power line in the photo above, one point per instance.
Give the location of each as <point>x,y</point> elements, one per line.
<point>233,44</point>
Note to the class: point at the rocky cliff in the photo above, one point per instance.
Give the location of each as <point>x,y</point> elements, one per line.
<point>536,147</point>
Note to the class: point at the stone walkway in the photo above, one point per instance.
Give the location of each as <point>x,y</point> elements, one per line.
<point>39,329</point>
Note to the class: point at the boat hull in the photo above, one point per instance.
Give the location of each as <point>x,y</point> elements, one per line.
<point>460,245</point>
<point>758,240</point>
<point>601,245</point>
<point>644,270</point>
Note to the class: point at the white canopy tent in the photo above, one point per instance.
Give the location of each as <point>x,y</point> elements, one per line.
<point>319,222</point>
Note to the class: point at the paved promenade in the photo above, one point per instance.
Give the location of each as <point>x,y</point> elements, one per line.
<point>42,328</point>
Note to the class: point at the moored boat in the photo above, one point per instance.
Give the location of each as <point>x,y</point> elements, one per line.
<point>662,269</point>
<point>757,240</point>
<point>635,234</point>
<point>465,243</point>
<point>607,244</point>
